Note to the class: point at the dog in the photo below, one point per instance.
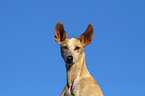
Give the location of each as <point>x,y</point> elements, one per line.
<point>79,80</point>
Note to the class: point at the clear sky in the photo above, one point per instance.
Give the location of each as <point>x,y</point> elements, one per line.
<point>30,61</point>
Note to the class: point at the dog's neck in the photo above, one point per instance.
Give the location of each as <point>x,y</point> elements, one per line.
<point>77,70</point>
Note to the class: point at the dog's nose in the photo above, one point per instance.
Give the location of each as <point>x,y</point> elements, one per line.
<point>69,59</point>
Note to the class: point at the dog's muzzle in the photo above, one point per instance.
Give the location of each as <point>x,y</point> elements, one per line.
<point>69,59</point>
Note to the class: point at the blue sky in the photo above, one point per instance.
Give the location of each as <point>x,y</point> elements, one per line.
<point>30,61</point>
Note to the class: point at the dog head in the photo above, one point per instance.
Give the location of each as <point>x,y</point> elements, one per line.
<point>72,48</point>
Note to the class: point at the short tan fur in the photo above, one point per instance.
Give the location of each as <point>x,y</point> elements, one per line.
<point>79,80</point>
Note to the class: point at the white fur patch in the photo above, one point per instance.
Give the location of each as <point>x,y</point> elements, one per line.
<point>71,42</point>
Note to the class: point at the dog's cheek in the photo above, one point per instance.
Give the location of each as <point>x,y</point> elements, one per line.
<point>77,56</point>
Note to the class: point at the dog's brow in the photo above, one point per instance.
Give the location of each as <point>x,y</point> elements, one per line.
<point>71,41</point>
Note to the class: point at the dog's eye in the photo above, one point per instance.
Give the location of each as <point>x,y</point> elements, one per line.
<point>77,48</point>
<point>64,47</point>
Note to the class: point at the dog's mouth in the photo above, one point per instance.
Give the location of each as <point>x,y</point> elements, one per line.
<point>69,63</point>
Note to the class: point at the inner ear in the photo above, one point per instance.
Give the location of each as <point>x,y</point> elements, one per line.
<point>60,34</point>
<point>86,37</point>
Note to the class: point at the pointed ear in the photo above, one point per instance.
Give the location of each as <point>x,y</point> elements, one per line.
<point>87,36</point>
<point>60,34</point>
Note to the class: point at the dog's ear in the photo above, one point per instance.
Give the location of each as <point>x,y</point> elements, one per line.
<point>87,36</point>
<point>60,34</point>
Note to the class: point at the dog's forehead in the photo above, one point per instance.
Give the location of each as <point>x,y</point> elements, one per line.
<point>72,42</point>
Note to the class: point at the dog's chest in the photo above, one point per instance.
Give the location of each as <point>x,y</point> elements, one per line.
<point>68,93</point>
<point>73,90</point>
